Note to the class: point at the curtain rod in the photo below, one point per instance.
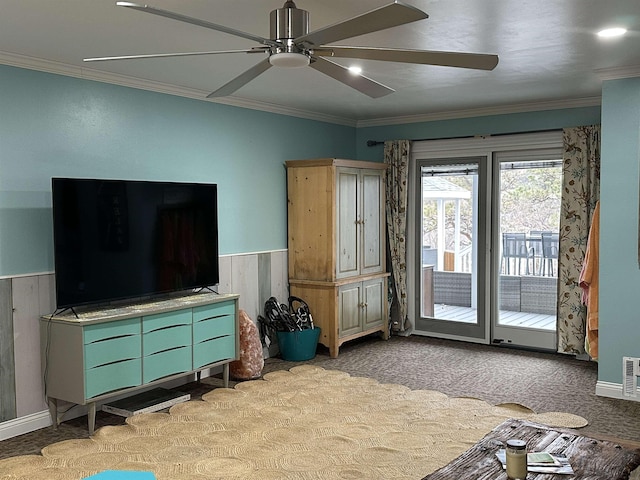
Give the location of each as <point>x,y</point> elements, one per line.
<point>373,143</point>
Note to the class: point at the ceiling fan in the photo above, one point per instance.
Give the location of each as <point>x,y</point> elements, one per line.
<point>292,45</point>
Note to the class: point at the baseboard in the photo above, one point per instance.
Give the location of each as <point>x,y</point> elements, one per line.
<point>613,390</point>
<point>36,421</point>
<point>26,424</point>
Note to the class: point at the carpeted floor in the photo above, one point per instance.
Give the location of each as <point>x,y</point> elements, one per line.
<point>540,381</point>
<point>303,423</point>
<point>543,382</point>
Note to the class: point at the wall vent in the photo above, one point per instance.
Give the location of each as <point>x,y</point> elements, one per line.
<point>630,373</point>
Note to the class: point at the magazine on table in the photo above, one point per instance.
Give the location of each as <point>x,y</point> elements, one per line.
<point>541,462</point>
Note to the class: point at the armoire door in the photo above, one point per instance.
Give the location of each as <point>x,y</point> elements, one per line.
<point>348,218</point>
<point>360,210</point>
<point>372,212</point>
<point>349,318</point>
<point>373,298</point>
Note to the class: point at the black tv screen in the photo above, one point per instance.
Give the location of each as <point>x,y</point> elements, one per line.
<point>120,239</point>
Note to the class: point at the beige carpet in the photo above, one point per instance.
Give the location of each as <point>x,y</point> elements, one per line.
<point>307,423</point>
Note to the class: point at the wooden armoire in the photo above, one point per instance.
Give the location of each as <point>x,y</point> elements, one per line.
<point>337,246</point>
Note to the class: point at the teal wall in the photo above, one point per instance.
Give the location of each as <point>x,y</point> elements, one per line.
<point>468,127</point>
<point>52,125</point>
<point>619,333</point>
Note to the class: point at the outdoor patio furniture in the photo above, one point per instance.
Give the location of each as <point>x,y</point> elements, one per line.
<point>550,242</point>
<point>539,294</point>
<point>526,293</point>
<point>514,248</point>
<point>534,242</point>
<point>452,288</point>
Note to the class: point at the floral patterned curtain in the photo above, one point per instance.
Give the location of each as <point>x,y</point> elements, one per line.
<point>396,156</point>
<point>580,193</point>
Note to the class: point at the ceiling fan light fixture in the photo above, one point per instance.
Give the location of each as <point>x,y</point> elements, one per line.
<point>289,60</point>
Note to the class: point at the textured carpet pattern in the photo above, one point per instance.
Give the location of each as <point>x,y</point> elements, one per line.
<point>541,381</point>
<point>304,423</point>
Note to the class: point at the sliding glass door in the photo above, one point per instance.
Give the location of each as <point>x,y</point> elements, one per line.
<point>528,186</point>
<point>450,227</point>
<point>484,244</point>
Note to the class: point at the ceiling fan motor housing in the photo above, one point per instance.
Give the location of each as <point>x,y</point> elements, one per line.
<point>288,23</point>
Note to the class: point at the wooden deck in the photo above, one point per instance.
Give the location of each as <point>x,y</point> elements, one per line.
<point>507,317</point>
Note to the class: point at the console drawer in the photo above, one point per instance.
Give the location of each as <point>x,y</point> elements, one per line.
<point>111,350</point>
<point>165,339</point>
<point>102,331</point>
<point>215,310</point>
<point>215,350</point>
<point>114,376</point>
<point>166,363</point>
<point>166,319</point>
<point>214,327</point>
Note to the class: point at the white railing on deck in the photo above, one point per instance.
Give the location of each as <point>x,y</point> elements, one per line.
<point>465,259</point>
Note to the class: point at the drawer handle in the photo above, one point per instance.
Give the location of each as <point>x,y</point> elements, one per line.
<point>113,363</point>
<point>115,337</point>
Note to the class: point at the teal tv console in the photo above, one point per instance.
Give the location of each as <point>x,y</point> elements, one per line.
<point>92,355</point>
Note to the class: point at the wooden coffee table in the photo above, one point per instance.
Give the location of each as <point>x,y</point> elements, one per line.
<point>591,459</point>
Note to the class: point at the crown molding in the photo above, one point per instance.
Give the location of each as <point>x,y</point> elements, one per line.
<point>279,109</point>
<point>60,68</point>
<point>618,72</point>
<point>483,112</point>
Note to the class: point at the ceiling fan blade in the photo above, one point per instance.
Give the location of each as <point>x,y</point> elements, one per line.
<point>179,54</point>
<point>241,80</point>
<point>478,61</point>
<point>362,84</point>
<point>197,21</point>
<point>391,15</point>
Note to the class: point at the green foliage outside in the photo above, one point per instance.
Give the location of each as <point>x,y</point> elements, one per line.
<point>529,200</point>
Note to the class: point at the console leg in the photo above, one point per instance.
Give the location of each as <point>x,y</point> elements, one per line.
<point>91,415</point>
<point>225,375</point>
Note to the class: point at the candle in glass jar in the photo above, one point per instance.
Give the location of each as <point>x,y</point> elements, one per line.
<point>516,452</point>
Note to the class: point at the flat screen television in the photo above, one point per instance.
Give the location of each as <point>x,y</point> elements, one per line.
<point>122,239</point>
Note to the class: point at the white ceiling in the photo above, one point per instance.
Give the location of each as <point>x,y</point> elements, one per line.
<point>549,53</point>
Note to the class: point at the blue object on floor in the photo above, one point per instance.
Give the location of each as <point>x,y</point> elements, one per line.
<point>299,345</point>
<point>122,475</point>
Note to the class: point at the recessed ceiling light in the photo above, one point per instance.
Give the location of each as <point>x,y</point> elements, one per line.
<point>612,32</point>
<point>355,70</point>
